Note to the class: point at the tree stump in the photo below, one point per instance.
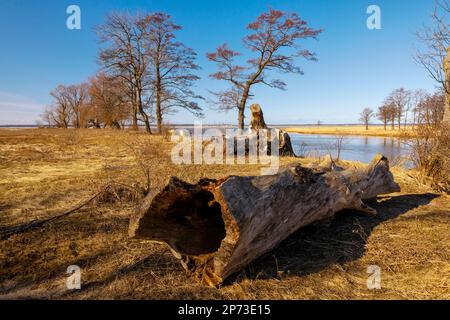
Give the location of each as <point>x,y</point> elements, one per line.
<point>216,227</point>
<point>257,123</point>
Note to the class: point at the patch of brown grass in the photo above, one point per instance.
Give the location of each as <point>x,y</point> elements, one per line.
<point>41,174</point>
<point>353,130</point>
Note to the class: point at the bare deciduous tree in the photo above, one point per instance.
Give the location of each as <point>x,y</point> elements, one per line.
<point>417,98</point>
<point>124,57</point>
<point>171,67</point>
<point>387,113</point>
<point>400,98</point>
<point>431,109</point>
<point>109,105</point>
<point>77,97</point>
<point>437,41</point>
<point>393,112</point>
<point>365,116</point>
<point>383,115</point>
<point>69,106</point>
<point>273,33</point>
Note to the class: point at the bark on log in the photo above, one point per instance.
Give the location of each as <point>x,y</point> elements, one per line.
<point>216,227</point>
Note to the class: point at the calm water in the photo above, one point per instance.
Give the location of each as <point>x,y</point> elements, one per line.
<point>357,148</point>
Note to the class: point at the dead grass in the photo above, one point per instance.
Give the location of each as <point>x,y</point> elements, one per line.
<point>353,130</point>
<point>44,172</point>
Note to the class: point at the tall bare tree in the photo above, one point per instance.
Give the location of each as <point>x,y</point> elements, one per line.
<point>400,98</point>
<point>57,115</point>
<point>383,115</point>
<point>77,97</point>
<point>431,109</point>
<point>387,113</point>
<point>436,38</point>
<point>417,98</point>
<point>124,57</point>
<point>171,66</point>
<point>109,105</point>
<point>69,106</point>
<point>365,116</point>
<point>273,34</point>
<point>393,114</point>
<point>60,111</point>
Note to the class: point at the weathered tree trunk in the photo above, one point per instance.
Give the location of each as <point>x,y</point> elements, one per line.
<point>217,227</point>
<point>242,105</point>
<point>241,117</point>
<point>158,100</point>
<point>257,123</point>
<point>446,118</point>
<point>141,109</point>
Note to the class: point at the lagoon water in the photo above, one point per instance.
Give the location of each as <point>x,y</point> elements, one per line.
<point>356,148</point>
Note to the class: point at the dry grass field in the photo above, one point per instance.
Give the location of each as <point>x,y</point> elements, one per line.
<point>44,172</point>
<point>358,130</point>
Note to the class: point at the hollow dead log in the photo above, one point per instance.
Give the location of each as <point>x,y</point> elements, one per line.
<point>216,227</point>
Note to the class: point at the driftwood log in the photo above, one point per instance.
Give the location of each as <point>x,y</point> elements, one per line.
<point>216,227</point>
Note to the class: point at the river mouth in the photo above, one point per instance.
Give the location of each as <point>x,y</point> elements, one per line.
<point>353,148</point>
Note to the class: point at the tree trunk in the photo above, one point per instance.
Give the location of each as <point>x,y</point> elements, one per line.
<point>217,227</point>
<point>241,117</point>
<point>159,117</point>
<point>134,108</point>
<point>446,117</point>
<point>158,101</point>
<point>241,108</point>
<point>142,111</point>
<point>406,119</point>
<point>146,121</point>
<point>134,124</point>
<point>257,122</point>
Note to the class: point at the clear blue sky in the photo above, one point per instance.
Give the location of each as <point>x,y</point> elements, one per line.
<point>357,67</point>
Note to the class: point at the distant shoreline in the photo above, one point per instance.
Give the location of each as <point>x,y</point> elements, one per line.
<point>352,130</point>
<point>326,129</point>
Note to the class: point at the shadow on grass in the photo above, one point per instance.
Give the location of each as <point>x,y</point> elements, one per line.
<point>309,250</point>
<point>317,246</point>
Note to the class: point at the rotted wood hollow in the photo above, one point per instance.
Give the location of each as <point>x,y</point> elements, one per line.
<point>217,227</point>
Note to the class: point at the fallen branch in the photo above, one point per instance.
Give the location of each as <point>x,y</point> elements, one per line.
<point>39,223</point>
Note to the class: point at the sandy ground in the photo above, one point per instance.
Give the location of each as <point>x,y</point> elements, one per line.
<point>44,172</point>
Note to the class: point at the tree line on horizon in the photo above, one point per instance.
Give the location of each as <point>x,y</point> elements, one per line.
<point>146,73</point>
<point>418,106</point>
<point>405,107</point>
